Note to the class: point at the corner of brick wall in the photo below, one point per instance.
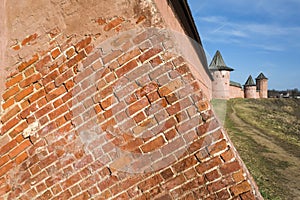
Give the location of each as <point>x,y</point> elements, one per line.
<point>120,117</point>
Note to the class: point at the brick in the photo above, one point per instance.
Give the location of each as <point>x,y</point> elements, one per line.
<point>185,164</point>
<point>174,182</point>
<point>218,147</point>
<point>83,43</point>
<point>56,93</point>
<point>113,24</point>
<point>240,188</point>
<point>46,109</point>
<point>8,103</point>
<point>26,64</point>
<point>83,75</point>
<point>212,175</point>
<point>21,158</point>
<point>57,112</point>
<point>228,168</point>
<point>19,148</point>
<point>138,105</point>
<point>202,106</point>
<point>238,176</point>
<point>126,68</point>
<point>11,123</point>
<point>112,56</point>
<point>161,70</point>
<point>4,159</point>
<point>64,77</point>
<point>150,182</point>
<point>26,82</point>
<point>248,196</point>
<point>151,53</point>
<point>41,65</point>
<point>50,77</point>
<point>76,59</point>
<point>37,95</point>
<point>10,113</point>
<point>5,168</point>
<point>173,146</point>
<point>202,167</point>
<point>227,156</point>
<point>28,39</point>
<point>70,52</point>
<point>207,127</point>
<point>66,194</point>
<point>188,125</point>
<point>4,190</point>
<point>128,56</point>
<point>24,93</point>
<point>153,144</point>
<point>170,87</point>
<point>21,127</point>
<point>10,92</point>
<point>12,81</point>
<point>55,53</point>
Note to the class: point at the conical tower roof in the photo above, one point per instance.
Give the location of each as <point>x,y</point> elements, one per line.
<point>218,63</point>
<point>261,76</point>
<point>250,82</point>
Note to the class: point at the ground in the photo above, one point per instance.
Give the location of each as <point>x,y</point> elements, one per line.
<point>266,133</point>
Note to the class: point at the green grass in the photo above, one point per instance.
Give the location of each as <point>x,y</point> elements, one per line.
<point>266,133</point>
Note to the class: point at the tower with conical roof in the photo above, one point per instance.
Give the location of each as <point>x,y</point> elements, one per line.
<point>250,88</point>
<point>262,85</point>
<point>221,75</point>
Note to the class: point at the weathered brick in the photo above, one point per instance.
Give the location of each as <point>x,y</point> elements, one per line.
<point>229,167</point>
<point>12,81</point>
<point>138,105</point>
<point>57,112</point>
<point>151,53</point>
<point>217,147</point>
<point>174,182</point>
<point>113,24</point>
<point>8,103</point>
<point>21,157</point>
<point>37,95</point>
<point>56,93</point>
<point>55,53</point>
<point>26,64</point>
<point>128,56</point>
<point>9,93</point>
<point>4,159</point>
<point>5,168</point>
<point>126,68</point>
<point>46,109</point>
<point>29,39</point>
<point>240,188</point>
<point>170,87</point>
<point>10,113</point>
<point>19,148</point>
<point>202,167</point>
<point>185,164</point>
<point>153,144</point>
<point>24,93</point>
<point>83,43</point>
<point>9,124</point>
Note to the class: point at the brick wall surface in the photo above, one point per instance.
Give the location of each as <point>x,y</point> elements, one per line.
<point>113,113</point>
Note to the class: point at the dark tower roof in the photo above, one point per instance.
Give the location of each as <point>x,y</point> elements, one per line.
<point>261,76</point>
<point>250,82</point>
<point>218,63</point>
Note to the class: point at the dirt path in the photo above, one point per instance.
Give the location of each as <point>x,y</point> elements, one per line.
<point>292,172</point>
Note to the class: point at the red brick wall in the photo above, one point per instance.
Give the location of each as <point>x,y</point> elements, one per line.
<point>112,113</point>
<point>236,92</point>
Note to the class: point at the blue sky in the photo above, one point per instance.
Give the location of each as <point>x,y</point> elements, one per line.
<point>253,37</point>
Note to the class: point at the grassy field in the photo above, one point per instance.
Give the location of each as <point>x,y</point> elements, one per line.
<point>266,133</point>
